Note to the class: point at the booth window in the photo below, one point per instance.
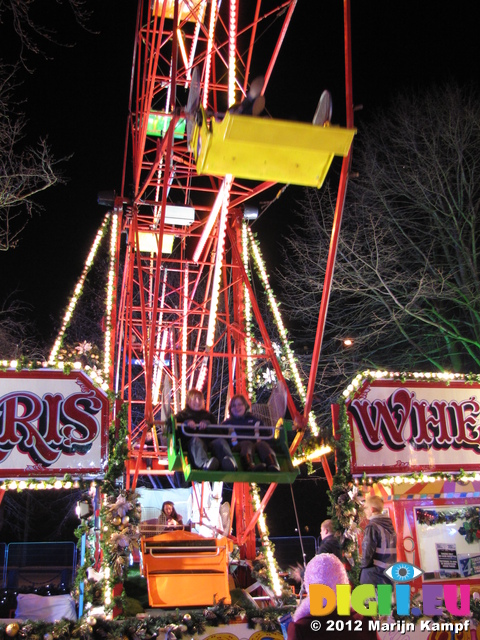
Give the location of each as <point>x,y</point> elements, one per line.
<point>448,541</point>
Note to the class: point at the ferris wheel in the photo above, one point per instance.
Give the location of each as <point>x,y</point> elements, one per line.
<point>200,150</point>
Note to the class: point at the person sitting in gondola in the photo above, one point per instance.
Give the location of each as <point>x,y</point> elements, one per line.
<point>239,414</point>
<point>195,416</point>
<point>169,518</point>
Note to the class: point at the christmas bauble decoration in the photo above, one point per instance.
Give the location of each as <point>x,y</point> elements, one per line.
<point>48,636</point>
<point>91,620</point>
<point>12,629</point>
<point>116,521</point>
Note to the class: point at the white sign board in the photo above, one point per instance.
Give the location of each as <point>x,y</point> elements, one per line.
<point>399,427</point>
<point>51,423</point>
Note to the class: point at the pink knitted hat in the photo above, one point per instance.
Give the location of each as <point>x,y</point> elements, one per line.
<point>326,569</point>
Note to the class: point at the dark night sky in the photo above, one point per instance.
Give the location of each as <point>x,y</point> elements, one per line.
<point>79,98</point>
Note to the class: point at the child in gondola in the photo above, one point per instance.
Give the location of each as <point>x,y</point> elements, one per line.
<point>198,418</point>
<point>169,518</point>
<point>239,414</point>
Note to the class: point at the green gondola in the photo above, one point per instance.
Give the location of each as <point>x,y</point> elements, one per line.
<point>178,460</point>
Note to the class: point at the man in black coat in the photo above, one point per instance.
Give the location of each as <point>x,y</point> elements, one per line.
<point>330,543</point>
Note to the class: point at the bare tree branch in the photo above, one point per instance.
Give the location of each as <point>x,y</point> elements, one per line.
<point>406,287</point>
<point>30,31</point>
<point>25,171</point>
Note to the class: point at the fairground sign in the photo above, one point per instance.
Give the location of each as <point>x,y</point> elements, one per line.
<point>399,427</point>
<point>51,423</point>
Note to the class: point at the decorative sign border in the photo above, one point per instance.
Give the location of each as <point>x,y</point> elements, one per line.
<point>403,427</point>
<point>51,424</point>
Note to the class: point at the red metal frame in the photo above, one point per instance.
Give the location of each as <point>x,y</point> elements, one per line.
<point>152,288</point>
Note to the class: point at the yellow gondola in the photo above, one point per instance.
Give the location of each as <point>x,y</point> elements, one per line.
<point>268,149</point>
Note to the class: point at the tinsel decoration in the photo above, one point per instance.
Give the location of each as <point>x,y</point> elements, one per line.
<point>175,624</point>
<point>470,528</point>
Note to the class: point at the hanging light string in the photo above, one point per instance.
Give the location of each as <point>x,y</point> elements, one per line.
<point>232,41</point>
<point>248,315</point>
<point>262,273</point>
<point>406,375</point>
<point>272,567</point>
<point>210,43</point>
<point>52,360</point>
<point>107,360</point>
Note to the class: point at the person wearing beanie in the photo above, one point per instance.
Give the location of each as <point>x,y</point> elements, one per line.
<point>325,568</point>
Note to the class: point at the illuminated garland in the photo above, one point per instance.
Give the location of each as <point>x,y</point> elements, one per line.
<point>414,478</point>
<point>52,483</point>
<point>313,453</point>
<point>262,272</point>
<point>267,570</point>
<point>68,359</point>
<point>470,528</point>
<point>402,376</point>
<point>248,316</point>
<point>345,498</point>
<point>107,360</point>
<point>176,624</point>
<point>52,360</point>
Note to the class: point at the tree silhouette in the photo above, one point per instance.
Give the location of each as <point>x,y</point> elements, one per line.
<point>406,288</point>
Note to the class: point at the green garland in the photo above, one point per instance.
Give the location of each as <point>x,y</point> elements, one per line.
<point>178,623</point>
<point>345,499</point>
<point>120,518</point>
<point>470,528</point>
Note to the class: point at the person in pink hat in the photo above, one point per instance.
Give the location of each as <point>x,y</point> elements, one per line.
<point>326,569</point>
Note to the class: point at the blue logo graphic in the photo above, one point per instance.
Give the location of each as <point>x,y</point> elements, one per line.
<point>403,572</point>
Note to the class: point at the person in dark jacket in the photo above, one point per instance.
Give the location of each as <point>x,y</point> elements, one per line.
<point>326,569</point>
<point>239,415</point>
<point>379,546</point>
<point>330,543</point>
<point>195,416</point>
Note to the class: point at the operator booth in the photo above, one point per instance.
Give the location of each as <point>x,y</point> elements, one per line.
<point>415,441</point>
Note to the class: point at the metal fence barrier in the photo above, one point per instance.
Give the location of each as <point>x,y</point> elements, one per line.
<point>31,565</point>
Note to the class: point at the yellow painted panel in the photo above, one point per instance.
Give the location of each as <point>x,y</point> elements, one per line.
<point>270,150</point>
<point>183,9</point>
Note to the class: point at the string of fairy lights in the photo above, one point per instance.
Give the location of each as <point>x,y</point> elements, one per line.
<point>272,567</point>
<point>443,376</point>
<point>53,483</point>
<point>100,377</point>
<point>262,273</point>
<point>248,314</point>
